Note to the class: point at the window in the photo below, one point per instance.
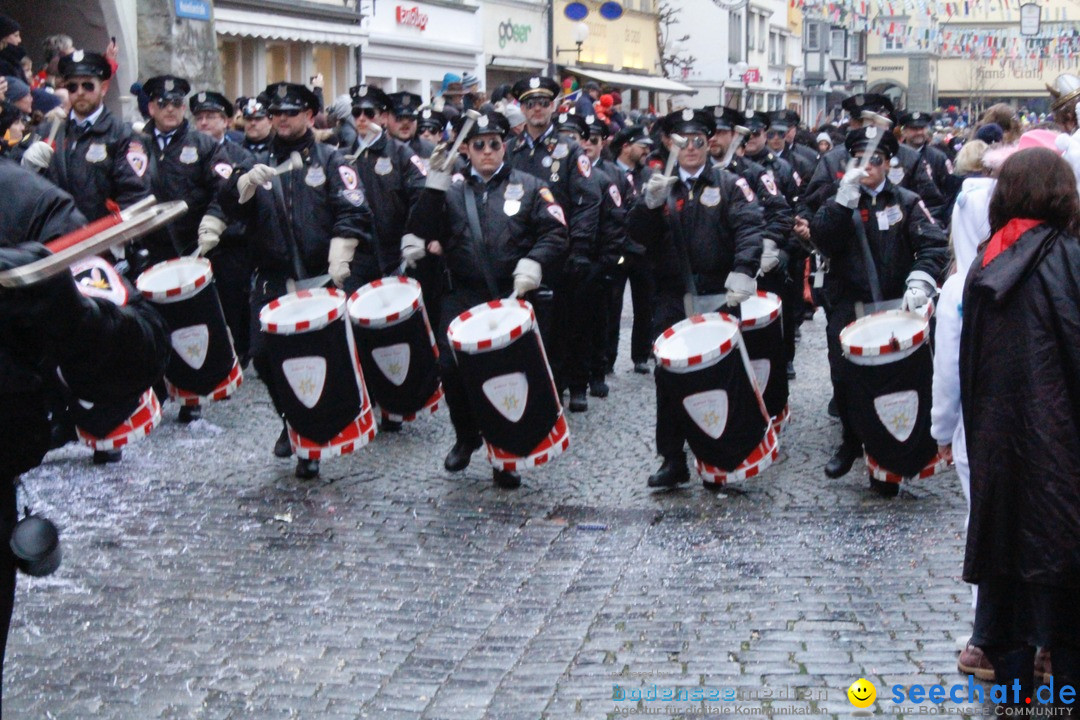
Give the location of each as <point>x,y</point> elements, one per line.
<point>751,31</point>
<point>838,48</point>
<point>812,36</point>
<point>858,47</point>
<point>762,33</point>
<point>777,49</point>
<point>894,40</point>
<point>735,38</point>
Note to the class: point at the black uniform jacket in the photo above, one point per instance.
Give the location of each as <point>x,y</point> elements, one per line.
<point>902,235</point>
<point>776,211</point>
<point>106,163</point>
<point>721,224</point>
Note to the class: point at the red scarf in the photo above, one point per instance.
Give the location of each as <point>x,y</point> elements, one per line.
<point>1006,236</point>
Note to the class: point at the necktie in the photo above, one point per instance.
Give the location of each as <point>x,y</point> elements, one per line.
<point>164,139</point>
<point>80,129</point>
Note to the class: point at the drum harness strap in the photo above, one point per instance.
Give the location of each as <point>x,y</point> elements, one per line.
<point>867,256</point>
<point>677,239</point>
<point>286,217</point>
<point>481,242</point>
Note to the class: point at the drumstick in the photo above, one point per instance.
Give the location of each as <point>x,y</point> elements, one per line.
<point>739,132</point>
<point>294,162</point>
<point>881,123</point>
<point>471,116</point>
<point>52,133</point>
<point>373,130</point>
<point>679,142</point>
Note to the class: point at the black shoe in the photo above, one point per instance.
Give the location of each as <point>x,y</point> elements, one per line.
<point>60,434</point>
<point>307,469</point>
<point>885,489</point>
<point>189,413</point>
<point>598,387</point>
<point>840,463</point>
<point>101,457</point>
<point>672,473</point>
<point>283,448</point>
<point>641,368</point>
<point>579,402</point>
<point>832,409</point>
<point>798,331</point>
<point>459,456</point>
<point>506,480</point>
<point>388,425</point>
<point>609,370</point>
<point>791,371</point>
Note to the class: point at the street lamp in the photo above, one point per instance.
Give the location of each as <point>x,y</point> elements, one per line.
<point>581,34</point>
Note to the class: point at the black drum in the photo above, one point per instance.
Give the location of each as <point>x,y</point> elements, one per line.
<point>763,332</point>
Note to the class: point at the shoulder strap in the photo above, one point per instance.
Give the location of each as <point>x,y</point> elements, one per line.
<point>481,244</point>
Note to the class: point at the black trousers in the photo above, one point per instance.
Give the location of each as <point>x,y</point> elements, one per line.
<point>839,315</point>
<point>8,517</point>
<point>576,315</point>
<point>670,434</point>
<point>232,275</point>
<point>638,273</point>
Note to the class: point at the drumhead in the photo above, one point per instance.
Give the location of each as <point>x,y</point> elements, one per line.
<point>697,342</point>
<point>759,310</point>
<point>385,302</point>
<point>174,280</point>
<point>302,311</point>
<point>491,326</point>
<point>884,337</point>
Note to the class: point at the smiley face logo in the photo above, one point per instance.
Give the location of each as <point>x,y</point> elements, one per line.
<point>862,693</point>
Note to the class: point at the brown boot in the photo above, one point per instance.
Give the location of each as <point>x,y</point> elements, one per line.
<point>1043,671</point>
<point>972,661</point>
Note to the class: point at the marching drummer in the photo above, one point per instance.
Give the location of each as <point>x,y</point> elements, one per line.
<point>404,108</point>
<point>908,248</point>
<point>182,163</point>
<point>312,219</point>
<point>501,232</point>
<point>707,238</point>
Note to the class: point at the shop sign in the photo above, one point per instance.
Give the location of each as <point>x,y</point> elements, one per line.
<point>511,32</point>
<point>410,16</point>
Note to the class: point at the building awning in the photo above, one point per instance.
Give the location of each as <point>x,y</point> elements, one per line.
<point>245,23</point>
<point>510,62</point>
<point>634,82</point>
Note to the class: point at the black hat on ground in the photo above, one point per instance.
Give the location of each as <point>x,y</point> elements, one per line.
<point>84,64</point>
<point>572,122</point>
<point>405,104</point>
<point>874,102</point>
<point>489,123</point>
<point>208,101</point>
<point>536,85</point>
<point>166,87</point>
<point>916,119</point>
<point>857,140</point>
<point>369,96</point>
<point>687,121</point>
<point>290,96</point>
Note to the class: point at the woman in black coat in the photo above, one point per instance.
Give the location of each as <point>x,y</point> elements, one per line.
<point>1020,390</point>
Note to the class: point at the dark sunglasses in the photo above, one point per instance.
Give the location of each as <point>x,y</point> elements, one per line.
<point>172,102</point>
<point>495,144</point>
<point>86,85</point>
<point>755,133</point>
<point>696,142</point>
<point>535,103</point>
<point>594,140</point>
<point>287,113</point>
<point>368,112</point>
<point>772,134</point>
<point>875,160</point>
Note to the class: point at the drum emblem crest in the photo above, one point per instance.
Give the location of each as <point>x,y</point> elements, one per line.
<point>306,377</point>
<point>508,394</point>
<point>393,360</point>
<point>762,368</point>
<point>709,410</point>
<point>191,344</point>
<point>897,412</point>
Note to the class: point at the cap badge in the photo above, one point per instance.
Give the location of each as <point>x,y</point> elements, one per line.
<point>534,82</point>
<point>871,133</point>
<point>482,121</point>
<point>202,97</point>
<point>169,85</point>
<point>77,56</point>
<point>590,119</point>
<point>916,116</point>
<point>282,90</point>
<point>687,114</point>
<point>860,100</point>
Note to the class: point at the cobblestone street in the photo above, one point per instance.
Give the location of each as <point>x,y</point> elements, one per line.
<point>202,580</point>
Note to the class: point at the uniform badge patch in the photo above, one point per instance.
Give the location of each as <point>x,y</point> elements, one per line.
<point>561,150</point>
<point>896,175</point>
<point>584,166</point>
<point>949,165</point>
<point>96,152</point>
<point>316,176</point>
<point>514,191</point>
<point>710,196</point>
<point>383,166</point>
<point>348,176</point>
<point>615,196</point>
<point>511,207</point>
<point>355,197</point>
<point>419,163</point>
<point>137,159</point>
<point>457,177</point>
<point>546,162</point>
<point>770,185</point>
<point>545,193</point>
<point>746,191</point>
<point>95,277</point>
<point>797,178</point>
<point>894,214</point>
<point>223,169</point>
<point>189,155</point>
<point>556,212</point>
<point>929,172</point>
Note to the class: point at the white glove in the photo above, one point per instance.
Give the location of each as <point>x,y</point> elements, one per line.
<point>210,229</point>
<point>657,189</point>
<point>440,168</point>
<point>770,256</point>
<point>920,288</point>
<point>412,249</point>
<point>341,254</point>
<point>252,179</point>
<point>526,276</point>
<point>38,156</point>
<point>1070,147</point>
<point>739,288</point>
<point>57,114</point>
<point>848,194</point>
